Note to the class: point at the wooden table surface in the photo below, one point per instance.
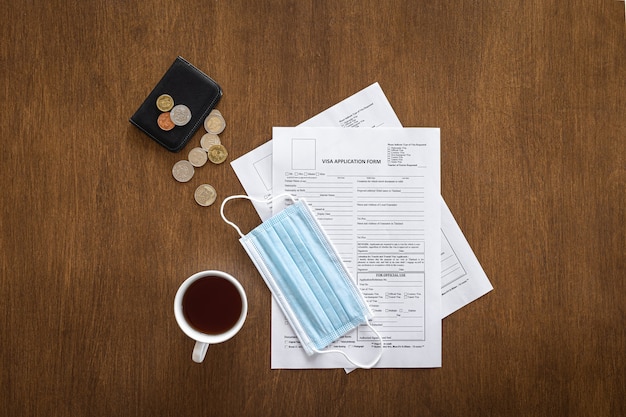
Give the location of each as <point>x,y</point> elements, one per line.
<point>96,236</point>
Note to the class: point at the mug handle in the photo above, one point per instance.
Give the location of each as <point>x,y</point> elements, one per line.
<point>199,351</point>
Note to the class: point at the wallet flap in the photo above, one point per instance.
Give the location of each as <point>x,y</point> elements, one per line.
<point>187,85</point>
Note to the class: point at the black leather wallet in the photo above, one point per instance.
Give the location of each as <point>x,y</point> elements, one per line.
<point>187,85</point>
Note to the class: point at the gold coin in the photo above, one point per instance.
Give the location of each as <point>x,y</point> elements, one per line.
<point>197,157</point>
<point>182,171</point>
<point>205,195</point>
<point>164,122</point>
<point>217,154</point>
<point>208,140</point>
<point>165,102</point>
<point>214,123</point>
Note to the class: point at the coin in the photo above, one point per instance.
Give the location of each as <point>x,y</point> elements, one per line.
<point>217,154</point>
<point>214,123</point>
<point>164,122</point>
<point>180,115</point>
<point>205,195</point>
<point>209,139</point>
<point>197,157</point>
<point>182,171</point>
<point>165,102</point>
<point>216,111</point>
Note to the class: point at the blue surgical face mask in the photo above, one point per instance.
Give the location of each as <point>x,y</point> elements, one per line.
<point>306,277</point>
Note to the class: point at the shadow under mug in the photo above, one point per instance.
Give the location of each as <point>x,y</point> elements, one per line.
<point>208,298</point>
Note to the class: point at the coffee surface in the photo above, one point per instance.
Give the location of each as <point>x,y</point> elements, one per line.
<point>212,305</point>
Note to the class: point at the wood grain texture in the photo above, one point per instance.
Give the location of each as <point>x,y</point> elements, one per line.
<point>95,235</point>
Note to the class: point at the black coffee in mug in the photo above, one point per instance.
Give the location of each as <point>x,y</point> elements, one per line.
<point>212,305</point>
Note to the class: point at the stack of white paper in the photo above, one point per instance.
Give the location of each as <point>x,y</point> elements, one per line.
<point>376,192</point>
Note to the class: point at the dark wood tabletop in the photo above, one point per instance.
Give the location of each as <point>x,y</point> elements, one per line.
<point>96,235</point>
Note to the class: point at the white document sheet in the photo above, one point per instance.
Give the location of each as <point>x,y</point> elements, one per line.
<point>367,108</point>
<point>376,194</point>
<point>463,279</point>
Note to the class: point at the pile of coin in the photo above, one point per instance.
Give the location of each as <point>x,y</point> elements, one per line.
<point>214,123</point>
<point>210,149</point>
<point>172,115</point>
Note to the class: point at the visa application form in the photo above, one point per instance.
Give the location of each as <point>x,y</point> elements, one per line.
<point>376,194</point>
<point>463,280</point>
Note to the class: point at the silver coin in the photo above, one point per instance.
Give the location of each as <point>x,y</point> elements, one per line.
<point>180,115</point>
<point>205,195</point>
<point>197,157</point>
<point>182,171</point>
<point>208,140</point>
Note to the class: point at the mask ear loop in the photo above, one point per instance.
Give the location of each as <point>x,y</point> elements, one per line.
<point>245,197</point>
<point>357,364</point>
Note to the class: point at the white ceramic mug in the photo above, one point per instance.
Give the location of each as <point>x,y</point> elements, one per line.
<point>183,309</point>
